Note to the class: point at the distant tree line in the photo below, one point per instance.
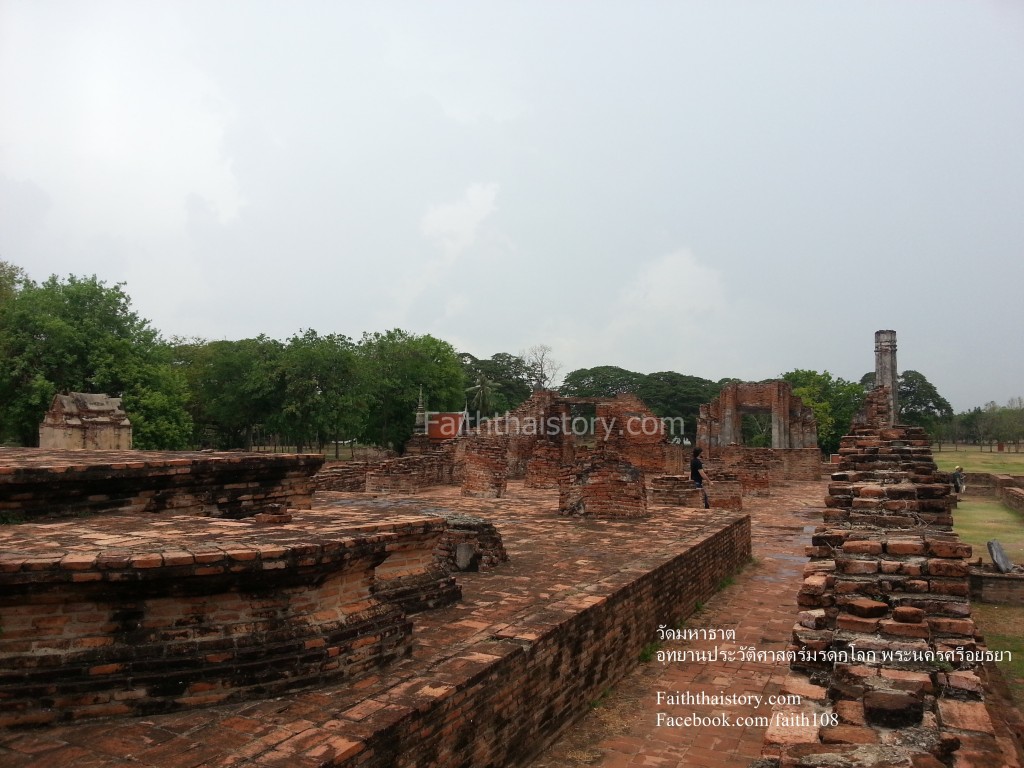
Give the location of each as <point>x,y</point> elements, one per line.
<point>991,425</point>
<point>318,392</point>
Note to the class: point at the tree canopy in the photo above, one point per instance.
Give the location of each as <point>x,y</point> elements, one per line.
<point>668,394</point>
<point>834,401</point>
<point>81,335</point>
<point>917,400</point>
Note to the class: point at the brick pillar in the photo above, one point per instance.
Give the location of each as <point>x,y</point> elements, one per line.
<point>885,368</point>
<point>780,416</point>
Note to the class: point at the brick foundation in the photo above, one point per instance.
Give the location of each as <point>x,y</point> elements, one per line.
<point>37,483</point>
<point>485,548</point>
<point>757,469</point>
<point>602,485</point>
<point>680,491</point>
<point>139,631</point>
<point>885,633</point>
<point>500,702</point>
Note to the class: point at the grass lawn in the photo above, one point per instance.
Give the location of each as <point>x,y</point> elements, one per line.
<point>978,520</point>
<point>973,459</point>
<point>1003,628</point>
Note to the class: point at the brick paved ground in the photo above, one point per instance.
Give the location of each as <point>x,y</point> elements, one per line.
<point>621,731</point>
<point>760,606</point>
<point>552,559</point>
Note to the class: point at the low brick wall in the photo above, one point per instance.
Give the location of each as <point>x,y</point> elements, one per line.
<point>758,469</point>
<point>409,474</point>
<point>599,485</point>
<point>263,610</point>
<point>37,483</point>
<point>993,587</point>
<point>501,702</point>
<point>680,491</point>
<point>343,475</point>
<point>1009,491</point>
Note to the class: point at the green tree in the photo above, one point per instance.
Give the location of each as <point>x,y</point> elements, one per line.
<point>601,381</point>
<point>397,365</point>
<point>498,384</point>
<point>834,401</point>
<point>235,388</point>
<point>323,390</point>
<point>674,395</point>
<point>917,400</point>
<point>668,394</point>
<point>80,335</point>
<point>12,279</point>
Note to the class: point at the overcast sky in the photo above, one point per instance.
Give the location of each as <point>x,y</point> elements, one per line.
<point>715,188</point>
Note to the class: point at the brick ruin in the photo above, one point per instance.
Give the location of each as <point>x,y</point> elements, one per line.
<point>600,484</point>
<point>38,483</point>
<point>128,620</point>
<point>220,598</point>
<point>543,440</point>
<point>125,614</point>
<point>81,421</point>
<point>721,422</point>
<point>884,653</point>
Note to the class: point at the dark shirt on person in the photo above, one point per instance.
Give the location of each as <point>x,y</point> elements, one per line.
<point>696,465</point>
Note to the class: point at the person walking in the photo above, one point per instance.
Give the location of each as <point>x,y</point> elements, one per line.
<point>699,475</point>
<point>959,481</point>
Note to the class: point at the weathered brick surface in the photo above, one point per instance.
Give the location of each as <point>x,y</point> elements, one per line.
<point>680,491</point>
<point>490,680</point>
<point>486,467</point>
<point>409,474</point>
<point>38,483</point>
<point>892,614</point>
<point>480,535</point>
<point>601,484</point>
<point>253,614</point>
<point>720,422</point>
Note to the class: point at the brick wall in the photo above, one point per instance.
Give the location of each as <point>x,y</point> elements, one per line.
<point>129,632</point>
<point>1009,490</point>
<point>1000,588</point>
<point>680,491</point>
<point>485,473</point>
<point>409,474</point>
<point>882,649</point>
<point>758,469</point>
<point>343,475</point>
<point>601,484</point>
<point>37,483</point>
<point>501,702</point>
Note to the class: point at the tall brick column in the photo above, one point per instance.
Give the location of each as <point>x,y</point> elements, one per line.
<point>885,368</point>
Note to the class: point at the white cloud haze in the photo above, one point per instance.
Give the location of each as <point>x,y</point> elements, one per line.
<point>722,189</point>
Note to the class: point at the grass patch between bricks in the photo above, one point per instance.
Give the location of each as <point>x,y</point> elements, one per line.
<point>982,519</point>
<point>1003,628</point>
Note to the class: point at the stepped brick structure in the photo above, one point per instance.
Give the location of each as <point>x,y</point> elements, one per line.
<point>885,633</point>
<point>39,483</point>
